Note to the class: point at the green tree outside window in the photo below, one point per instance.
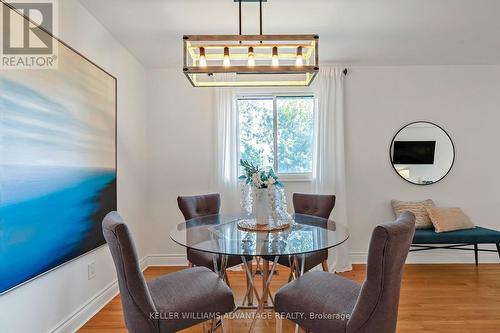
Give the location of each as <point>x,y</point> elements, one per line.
<point>284,122</point>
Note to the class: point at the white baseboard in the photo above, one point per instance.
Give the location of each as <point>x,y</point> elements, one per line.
<point>167,260</point>
<point>80,316</point>
<point>422,257</point>
<point>437,257</point>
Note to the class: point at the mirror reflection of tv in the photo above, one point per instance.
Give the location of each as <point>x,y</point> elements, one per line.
<point>413,152</point>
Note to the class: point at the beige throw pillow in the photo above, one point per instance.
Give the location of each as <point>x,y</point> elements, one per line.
<point>419,208</point>
<point>449,219</point>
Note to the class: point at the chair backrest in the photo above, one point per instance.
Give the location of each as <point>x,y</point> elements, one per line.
<point>199,205</point>
<point>376,309</point>
<point>136,299</point>
<point>320,205</point>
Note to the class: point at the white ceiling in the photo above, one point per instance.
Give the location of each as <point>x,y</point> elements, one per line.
<point>356,32</point>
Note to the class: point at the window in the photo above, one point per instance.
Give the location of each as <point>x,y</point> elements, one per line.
<point>277,132</point>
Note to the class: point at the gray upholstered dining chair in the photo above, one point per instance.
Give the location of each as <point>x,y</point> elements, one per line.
<point>158,305</point>
<point>320,205</point>
<point>199,206</point>
<point>353,308</point>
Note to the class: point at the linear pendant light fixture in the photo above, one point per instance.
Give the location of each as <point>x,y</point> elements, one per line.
<point>250,60</point>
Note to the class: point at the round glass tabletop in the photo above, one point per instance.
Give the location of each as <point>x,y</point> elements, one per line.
<point>220,234</point>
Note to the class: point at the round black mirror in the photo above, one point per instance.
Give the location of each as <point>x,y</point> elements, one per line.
<point>422,153</point>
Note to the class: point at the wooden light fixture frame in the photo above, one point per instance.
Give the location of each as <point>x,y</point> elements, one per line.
<point>252,41</point>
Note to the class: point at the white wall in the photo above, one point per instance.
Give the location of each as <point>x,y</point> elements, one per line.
<point>379,101</point>
<point>464,101</point>
<point>46,303</point>
<point>180,124</point>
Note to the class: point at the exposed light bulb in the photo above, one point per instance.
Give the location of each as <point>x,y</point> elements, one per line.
<point>226,62</point>
<point>299,61</point>
<point>203,58</point>
<point>275,61</point>
<point>251,57</point>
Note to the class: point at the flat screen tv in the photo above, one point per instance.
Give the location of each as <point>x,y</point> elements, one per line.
<point>414,152</point>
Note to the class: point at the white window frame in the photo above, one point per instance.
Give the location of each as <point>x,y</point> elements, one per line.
<point>286,177</point>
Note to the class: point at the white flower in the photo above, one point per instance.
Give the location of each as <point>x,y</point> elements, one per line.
<point>271,181</point>
<point>256,180</point>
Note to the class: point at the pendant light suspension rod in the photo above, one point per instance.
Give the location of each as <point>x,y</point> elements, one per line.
<point>260,18</point>
<point>260,9</point>
<point>260,12</point>
<point>240,16</point>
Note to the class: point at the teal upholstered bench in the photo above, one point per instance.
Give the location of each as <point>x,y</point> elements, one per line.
<point>456,240</point>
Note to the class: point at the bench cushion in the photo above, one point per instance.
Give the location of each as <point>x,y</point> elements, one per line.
<point>477,235</point>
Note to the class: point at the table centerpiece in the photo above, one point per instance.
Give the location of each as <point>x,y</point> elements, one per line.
<point>263,197</point>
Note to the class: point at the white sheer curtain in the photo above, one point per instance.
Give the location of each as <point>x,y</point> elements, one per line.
<point>225,156</point>
<point>329,153</point>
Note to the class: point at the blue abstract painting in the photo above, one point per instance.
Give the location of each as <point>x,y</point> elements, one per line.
<point>57,165</point>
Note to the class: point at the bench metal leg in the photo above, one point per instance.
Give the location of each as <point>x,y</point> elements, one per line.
<point>476,252</point>
<point>476,249</point>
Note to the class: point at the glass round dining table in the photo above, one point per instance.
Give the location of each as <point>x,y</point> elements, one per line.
<point>220,235</point>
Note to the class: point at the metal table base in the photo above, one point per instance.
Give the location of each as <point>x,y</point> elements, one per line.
<point>298,270</point>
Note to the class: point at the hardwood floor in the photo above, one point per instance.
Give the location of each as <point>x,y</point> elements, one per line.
<point>434,298</point>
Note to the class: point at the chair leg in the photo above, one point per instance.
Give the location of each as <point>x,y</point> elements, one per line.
<point>324,264</point>
<point>279,324</point>
<point>190,264</point>
<point>476,254</point>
